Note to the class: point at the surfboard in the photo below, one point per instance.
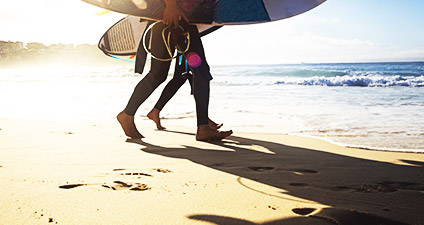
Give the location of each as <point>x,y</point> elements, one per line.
<point>219,12</point>
<point>123,38</point>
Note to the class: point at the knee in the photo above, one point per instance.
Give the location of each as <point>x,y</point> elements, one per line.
<point>162,75</point>
<point>159,78</point>
<point>151,81</point>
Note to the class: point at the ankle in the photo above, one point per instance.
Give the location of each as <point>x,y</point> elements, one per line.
<point>124,115</point>
<point>203,127</point>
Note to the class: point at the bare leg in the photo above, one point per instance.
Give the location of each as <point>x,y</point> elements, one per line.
<point>206,133</point>
<point>154,115</point>
<point>128,125</point>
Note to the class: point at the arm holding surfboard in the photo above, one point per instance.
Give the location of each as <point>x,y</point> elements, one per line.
<point>172,13</point>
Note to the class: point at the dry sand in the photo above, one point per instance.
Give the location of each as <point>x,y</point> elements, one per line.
<point>85,172</point>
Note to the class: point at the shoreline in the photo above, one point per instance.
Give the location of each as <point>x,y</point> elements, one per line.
<point>340,144</point>
<point>363,147</point>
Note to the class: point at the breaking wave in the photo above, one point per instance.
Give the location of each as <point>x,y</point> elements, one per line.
<point>357,81</point>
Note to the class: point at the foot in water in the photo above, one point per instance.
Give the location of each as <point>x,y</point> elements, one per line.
<point>206,133</point>
<point>128,125</point>
<point>154,115</point>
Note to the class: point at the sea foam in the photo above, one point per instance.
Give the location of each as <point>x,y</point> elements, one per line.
<point>358,81</point>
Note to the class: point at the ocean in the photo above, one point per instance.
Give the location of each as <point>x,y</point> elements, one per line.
<point>367,105</point>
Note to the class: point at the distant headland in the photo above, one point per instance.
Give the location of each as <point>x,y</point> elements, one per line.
<point>33,53</point>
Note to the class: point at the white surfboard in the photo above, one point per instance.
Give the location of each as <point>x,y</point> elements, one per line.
<point>124,36</point>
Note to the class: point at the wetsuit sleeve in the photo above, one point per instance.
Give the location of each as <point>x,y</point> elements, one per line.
<point>141,55</point>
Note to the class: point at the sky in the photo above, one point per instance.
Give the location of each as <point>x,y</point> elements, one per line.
<point>336,31</point>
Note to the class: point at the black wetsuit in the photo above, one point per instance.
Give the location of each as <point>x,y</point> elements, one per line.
<point>181,74</point>
<point>159,71</point>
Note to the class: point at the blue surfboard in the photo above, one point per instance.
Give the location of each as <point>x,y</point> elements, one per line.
<point>217,12</point>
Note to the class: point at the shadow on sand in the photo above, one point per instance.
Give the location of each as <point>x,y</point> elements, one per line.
<point>360,191</point>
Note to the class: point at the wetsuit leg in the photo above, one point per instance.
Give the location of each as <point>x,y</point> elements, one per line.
<point>196,59</point>
<point>173,85</point>
<point>157,74</point>
<point>177,81</point>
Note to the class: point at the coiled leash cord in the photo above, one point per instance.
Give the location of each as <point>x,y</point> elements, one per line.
<point>166,41</point>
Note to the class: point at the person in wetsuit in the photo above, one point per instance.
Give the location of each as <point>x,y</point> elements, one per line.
<point>181,75</point>
<point>195,57</point>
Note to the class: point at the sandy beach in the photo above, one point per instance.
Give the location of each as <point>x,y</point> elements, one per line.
<point>326,113</point>
<point>87,172</point>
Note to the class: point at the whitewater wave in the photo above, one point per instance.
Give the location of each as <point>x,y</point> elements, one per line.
<point>358,81</point>
<point>336,81</point>
<point>338,74</point>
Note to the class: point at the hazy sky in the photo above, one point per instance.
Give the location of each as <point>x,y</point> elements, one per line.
<point>336,31</point>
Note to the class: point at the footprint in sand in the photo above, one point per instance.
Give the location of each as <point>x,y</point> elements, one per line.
<point>132,173</point>
<point>375,188</point>
<point>160,170</point>
<point>303,211</point>
<point>136,174</point>
<point>116,186</point>
<point>302,171</point>
<point>299,185</point>
<point>403,185</point>
<point>366,188</point>
<point>342,188</point>
<point>383,187</point>
<point>119,185</point>
<point>70,186</point>
<point>163,170</point>
<point>261,168</point>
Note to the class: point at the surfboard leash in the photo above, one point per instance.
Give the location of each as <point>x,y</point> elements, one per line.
<point>125,60</point>
<point>102,48</point>
<point>167,41</point>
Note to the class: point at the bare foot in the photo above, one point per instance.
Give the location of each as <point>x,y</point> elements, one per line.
<point>214,125</point>
<point>154,115</point>
<point>128,125</point>
<point>206,133</point>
